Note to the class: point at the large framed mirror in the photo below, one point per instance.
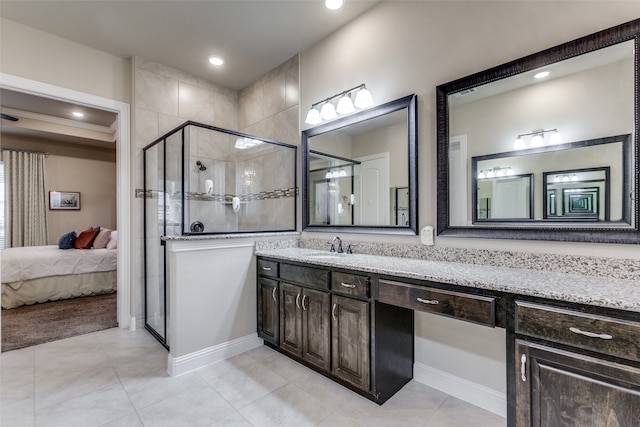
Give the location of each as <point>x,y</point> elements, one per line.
<point>360,172</point>
<point>544,147</point>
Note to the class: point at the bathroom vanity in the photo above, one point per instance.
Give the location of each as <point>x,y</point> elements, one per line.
<point>573,351</point>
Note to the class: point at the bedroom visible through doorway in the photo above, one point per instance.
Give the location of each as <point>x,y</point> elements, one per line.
<point>120,112</point>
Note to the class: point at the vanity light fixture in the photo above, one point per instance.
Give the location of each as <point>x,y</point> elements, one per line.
<point>496,172</point>
<point>537,139</point>
<point>326,109</point>
<point>566,178</point>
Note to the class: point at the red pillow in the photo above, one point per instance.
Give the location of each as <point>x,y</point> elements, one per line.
<point>86,238</point>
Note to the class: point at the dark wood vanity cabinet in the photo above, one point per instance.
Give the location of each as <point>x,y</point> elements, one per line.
<point>329,322</point>
<point>268,301</point>
<point>574,368</point>
<point>305,324</point>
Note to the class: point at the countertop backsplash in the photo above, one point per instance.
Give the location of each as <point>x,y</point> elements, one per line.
<point>627,269</point>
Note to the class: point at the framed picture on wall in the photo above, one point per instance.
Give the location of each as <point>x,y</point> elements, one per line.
<point>64,200</point>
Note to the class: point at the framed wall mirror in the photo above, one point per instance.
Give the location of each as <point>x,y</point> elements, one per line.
<point>360,172</point>
<point>566,117</point>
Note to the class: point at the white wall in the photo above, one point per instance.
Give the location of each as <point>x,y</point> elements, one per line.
<point>405,47</point>
<point>36,55</point>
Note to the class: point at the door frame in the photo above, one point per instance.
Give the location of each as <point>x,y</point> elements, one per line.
<point>123,174</point>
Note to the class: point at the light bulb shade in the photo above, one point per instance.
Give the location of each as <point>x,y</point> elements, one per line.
<point>327,175</point>
<point>481,175</point>
<point>555,138</point>
<point>565,178</point>
<point>328,111</point>
<point>519,144</point>
<point>556,179</point>
<point>574,177</point>
<point>500,172</point>
<point>313,117</point>
<point>537,141</point>
<point>345,106</point>
<point>343,173</point>
<point>509,171</point>
<point>490,174</point>
<point>363,99</point>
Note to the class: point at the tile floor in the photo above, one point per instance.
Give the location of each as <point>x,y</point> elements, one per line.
<point>118,378</point>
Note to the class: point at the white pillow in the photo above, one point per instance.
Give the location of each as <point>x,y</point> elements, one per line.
<point>113,242</point>
<point>101,240</point>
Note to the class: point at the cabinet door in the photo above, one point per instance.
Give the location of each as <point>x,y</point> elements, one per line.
<point>316,328</point>
<point>350,341</point>
<point>560,388</point>
<point>268,312</point>
<point>290,319</point>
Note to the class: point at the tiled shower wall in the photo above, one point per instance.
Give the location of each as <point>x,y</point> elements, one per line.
<point>165,97</point>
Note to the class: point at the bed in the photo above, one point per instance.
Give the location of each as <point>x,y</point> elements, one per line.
<point>37,274</point>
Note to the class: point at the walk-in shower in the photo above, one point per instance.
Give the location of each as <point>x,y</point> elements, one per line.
<point>203,180</point>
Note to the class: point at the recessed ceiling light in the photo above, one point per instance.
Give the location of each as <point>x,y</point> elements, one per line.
<point>78,114</point>
<point>333,4</point>
<point>541,75</point>
<point>216,60</point>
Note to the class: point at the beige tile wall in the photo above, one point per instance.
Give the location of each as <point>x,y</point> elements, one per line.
<point>165,97</point>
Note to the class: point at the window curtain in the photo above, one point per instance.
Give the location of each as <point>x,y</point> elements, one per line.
<point>26,199</point>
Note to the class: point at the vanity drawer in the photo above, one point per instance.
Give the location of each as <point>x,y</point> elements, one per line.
<point>602,334</point>
<point>473,308</point>
<point>299,274</point>
<point>267,268</point>
<point>350,284</point>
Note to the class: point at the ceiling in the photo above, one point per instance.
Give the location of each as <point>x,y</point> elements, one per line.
<point>252,36</point>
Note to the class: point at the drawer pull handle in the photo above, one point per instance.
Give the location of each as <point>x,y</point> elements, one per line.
<point>303,307</point>
<point>348,285</point>
<point>298,300</point>
<point>428,301</point>
<point>266,268</point>
<point>523,368</point>
<point>273,294</point>
<point>590,334</point>
<point>333,312</point>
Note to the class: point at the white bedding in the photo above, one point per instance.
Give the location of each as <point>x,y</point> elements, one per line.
<point>32,262</point>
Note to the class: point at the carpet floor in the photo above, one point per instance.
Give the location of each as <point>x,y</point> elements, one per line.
<point>40,323</point>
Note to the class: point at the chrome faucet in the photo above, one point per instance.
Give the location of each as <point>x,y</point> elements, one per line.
<point>333,247</point>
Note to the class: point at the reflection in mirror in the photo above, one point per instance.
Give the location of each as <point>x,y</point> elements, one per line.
<point>579,194</point>
<point>360,171</point>
<point>498,194</point>
<point>505,197</point>
<point>514,119</point>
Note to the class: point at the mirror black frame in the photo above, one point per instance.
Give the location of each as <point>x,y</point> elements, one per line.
<point>410,103</point>
<point>547,231</point>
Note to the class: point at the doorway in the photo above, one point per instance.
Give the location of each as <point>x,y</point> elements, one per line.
<point>123,179</point>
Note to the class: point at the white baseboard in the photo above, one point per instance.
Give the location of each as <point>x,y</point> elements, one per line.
<point>189,362</point>
<point>476,394</point>
<point>132,323</point>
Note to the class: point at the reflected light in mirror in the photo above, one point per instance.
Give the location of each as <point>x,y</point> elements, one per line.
<point>313,117</point>
<point>541,75</point>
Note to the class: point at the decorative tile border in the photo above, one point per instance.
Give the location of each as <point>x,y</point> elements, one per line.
<point>263,195</point>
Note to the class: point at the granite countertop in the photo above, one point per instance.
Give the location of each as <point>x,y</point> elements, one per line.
<point>597,291</point>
